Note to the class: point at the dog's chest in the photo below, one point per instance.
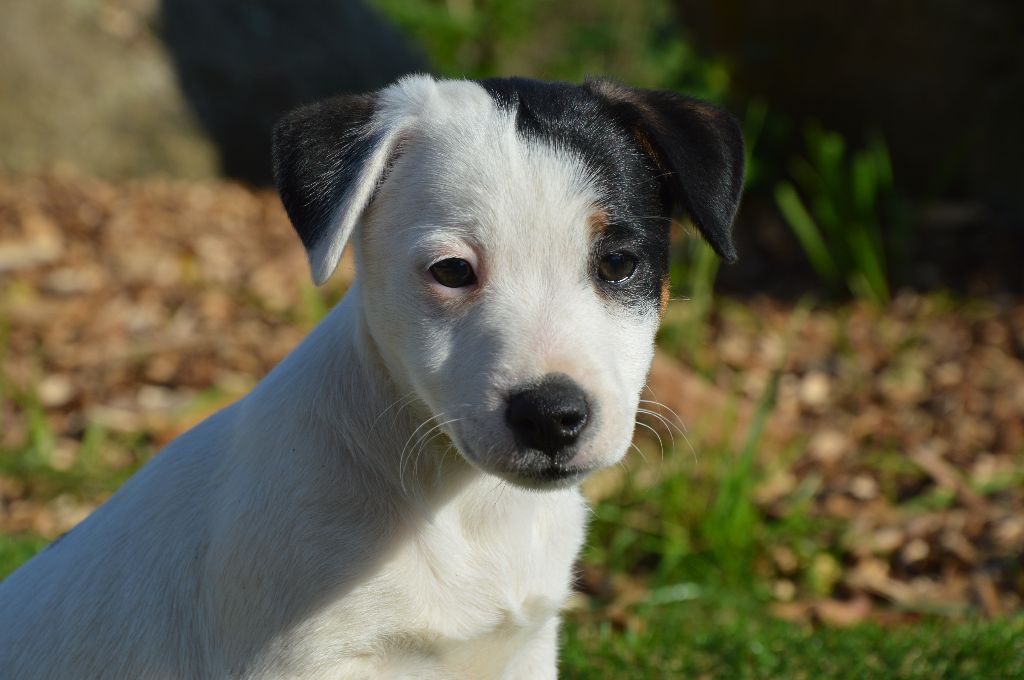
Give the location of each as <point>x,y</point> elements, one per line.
<point>477,564</point>
<point>485,569</point>
<point>470,590</point>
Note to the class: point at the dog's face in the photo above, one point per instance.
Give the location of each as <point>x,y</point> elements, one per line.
<point>512,243</point>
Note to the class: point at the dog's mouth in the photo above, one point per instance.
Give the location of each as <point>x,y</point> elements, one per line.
<point>551,477</point>
<point>542,478</point>
<point>530,469</point>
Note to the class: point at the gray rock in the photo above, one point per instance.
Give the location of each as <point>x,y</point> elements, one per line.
<point>189,88</point>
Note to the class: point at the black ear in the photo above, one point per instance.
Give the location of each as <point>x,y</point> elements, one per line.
<point>698,146</point>
<point>328,159</point>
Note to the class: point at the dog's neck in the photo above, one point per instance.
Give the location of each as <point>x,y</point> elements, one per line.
<point>360,423</point>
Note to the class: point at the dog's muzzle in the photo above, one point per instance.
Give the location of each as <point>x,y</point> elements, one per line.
<point>549,417</point>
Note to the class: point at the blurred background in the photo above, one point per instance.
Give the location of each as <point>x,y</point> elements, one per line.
<point>828,481</point>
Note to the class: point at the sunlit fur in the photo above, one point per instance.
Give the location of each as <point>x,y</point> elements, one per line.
<point>359,514</point>
<point>460,189</point>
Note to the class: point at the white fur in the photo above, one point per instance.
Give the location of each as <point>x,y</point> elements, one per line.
<point>323,527</point>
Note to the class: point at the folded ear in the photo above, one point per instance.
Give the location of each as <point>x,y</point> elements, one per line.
<point>329,158</point>
<point>699,147</point>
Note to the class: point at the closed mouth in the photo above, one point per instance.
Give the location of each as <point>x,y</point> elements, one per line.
<point>551,475</point>
<point>529,468</point>
<point>557,473</point>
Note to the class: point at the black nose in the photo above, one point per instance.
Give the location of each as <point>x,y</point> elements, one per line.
<point>548,416</point>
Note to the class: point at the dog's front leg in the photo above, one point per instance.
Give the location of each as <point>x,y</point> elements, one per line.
<point>537,659</point>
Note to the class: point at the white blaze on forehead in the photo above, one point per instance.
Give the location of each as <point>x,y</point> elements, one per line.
<point>477,175</point>
<point>467,183</point>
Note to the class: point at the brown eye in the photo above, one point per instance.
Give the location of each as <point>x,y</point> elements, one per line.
<point>453,273</point>
<point>616,267</point>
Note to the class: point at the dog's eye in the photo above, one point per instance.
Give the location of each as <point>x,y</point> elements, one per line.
<point>616,267</point>
<point>453,273</point>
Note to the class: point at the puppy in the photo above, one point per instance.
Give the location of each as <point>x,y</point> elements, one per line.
<point>398,498</point>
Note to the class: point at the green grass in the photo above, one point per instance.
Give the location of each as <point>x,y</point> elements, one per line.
<point>88,478</point>
<point>840,228</point>
<point>685,597</point>
<point>707,638</point>
<point>637,42</point>
<point>684,558</point>
<point>16,549</point>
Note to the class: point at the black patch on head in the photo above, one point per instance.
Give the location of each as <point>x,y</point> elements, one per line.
<point>319,151</point>
<point>651,150</point>
<point>698,146</point>
<point>635,203</point>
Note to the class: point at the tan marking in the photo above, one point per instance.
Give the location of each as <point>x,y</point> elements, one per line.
<point>665,296</point>
<point>597,223</point>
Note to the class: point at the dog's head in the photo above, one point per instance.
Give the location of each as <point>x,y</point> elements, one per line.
<point>512,245</point>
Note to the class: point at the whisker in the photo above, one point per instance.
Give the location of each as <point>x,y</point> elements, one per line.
<point>408,398</point>
<point>660,442</point>
<point>431,434</point>
<point>669,426</point>
<point>416,451</point>
<point>640,451</point>
<point>679,420</point>
<point>664,421</point>
<point>681,426</point>
<point>401,456</point>
<point>441,463</point>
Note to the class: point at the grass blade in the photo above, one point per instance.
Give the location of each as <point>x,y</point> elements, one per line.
<point>807,233</point>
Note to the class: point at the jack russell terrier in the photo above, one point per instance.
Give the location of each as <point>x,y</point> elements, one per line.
<point>399,497</point>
